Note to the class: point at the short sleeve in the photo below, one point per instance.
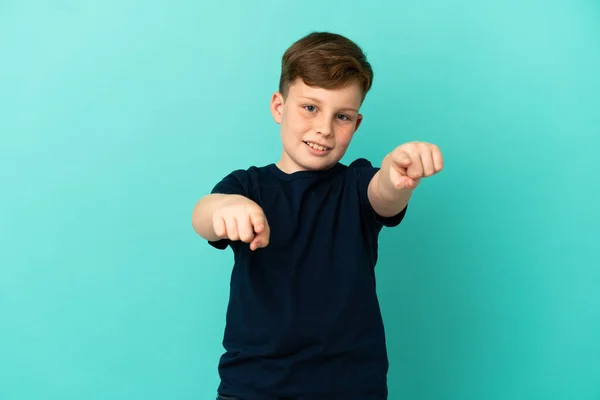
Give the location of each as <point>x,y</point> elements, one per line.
<point>236,182</point>
<point>364,172</point>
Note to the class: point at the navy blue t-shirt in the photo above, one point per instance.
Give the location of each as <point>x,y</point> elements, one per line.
<point>303,320</point>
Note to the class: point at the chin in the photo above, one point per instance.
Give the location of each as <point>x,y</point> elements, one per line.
<point>319,164</point>
<point>310,162</point>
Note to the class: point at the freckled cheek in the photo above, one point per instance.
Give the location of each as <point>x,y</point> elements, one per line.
<point>300,124</point>
<point>295,129</point>
<point>343,137</point>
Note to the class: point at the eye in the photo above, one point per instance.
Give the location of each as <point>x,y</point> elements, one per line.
<point>310,108</point>
<point>343,117</point>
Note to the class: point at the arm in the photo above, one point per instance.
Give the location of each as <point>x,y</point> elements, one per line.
<point>233,217</point>
<point>401,171</point>
<point>202,216</point>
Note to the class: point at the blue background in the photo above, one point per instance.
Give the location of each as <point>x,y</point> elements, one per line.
<point>117,116</point>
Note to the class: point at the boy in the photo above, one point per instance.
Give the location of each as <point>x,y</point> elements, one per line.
<point>303,320</point>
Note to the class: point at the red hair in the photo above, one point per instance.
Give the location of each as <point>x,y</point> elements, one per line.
<point>326,60</point>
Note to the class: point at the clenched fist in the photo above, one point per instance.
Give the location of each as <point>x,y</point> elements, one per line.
<point>239,218</point>
<point>412,161</point>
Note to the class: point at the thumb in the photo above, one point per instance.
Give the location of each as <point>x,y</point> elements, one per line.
<point>401,159</point>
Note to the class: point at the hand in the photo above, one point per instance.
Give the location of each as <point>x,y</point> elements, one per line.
<point>412,161</point>
<point>240,218</point>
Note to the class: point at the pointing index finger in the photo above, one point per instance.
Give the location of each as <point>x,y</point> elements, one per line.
<point>258,221</point>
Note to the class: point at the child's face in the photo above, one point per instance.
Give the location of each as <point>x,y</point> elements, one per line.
<point>317,124</point>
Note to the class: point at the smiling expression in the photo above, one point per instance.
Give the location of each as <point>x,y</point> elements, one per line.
<point>316,124</point>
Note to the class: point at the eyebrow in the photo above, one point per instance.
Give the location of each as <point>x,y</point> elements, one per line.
<point>319,101</point>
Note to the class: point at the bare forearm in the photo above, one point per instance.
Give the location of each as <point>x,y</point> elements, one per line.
<point>400,173</point>
<point>385,198</point>
<point>202,216</point>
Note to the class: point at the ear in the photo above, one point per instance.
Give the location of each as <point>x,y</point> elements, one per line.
<point>277,106</point>
<point>359,120</point>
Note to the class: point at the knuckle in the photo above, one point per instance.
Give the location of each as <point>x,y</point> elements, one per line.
<point>233,234</point>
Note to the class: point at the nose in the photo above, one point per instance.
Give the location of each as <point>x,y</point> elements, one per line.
<point>325,127</point>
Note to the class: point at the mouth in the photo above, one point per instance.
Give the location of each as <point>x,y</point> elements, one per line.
<point>318,147</point>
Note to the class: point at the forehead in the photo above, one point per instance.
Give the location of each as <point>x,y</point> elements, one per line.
<point>349,95</point>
